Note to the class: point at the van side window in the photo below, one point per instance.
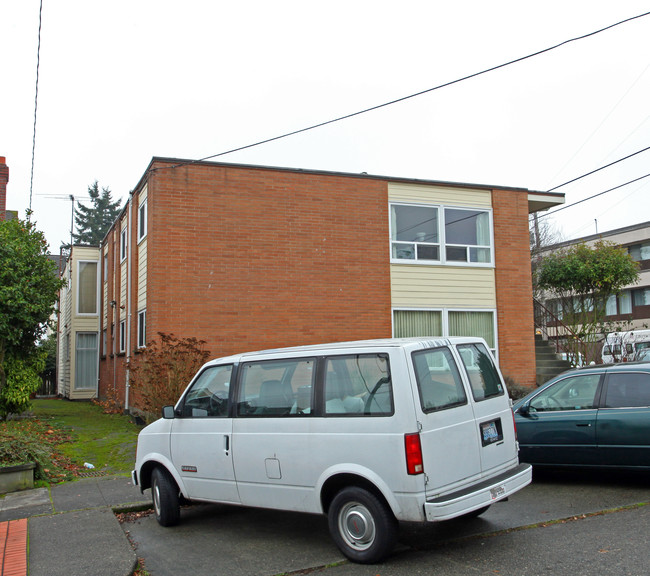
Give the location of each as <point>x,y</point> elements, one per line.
<point>438,379</point>
<point>208,396</point>
<point>276,388</point>
<point>358,385</point>
<point>481,371</point>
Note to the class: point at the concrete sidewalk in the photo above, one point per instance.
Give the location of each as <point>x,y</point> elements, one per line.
<point>71,527</point>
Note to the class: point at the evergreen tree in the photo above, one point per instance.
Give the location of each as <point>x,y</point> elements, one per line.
<point>92,222</point>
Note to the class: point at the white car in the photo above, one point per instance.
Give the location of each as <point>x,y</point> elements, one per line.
<point>368,433</point>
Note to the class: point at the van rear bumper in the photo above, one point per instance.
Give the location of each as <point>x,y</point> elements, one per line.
<point>479,495</point>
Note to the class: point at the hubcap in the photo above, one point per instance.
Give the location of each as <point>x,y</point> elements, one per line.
<point>357,526</point>
<point>156,498</point>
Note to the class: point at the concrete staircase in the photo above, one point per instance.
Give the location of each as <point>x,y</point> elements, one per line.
<point>548,363</point>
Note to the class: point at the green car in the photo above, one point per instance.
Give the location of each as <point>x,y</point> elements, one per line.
<point>593,416</point>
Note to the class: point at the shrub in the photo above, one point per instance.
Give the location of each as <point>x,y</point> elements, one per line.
<point>23,379</point>
<point>161,371</point>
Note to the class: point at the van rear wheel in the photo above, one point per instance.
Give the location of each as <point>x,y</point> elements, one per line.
<point>362,526</point>
<point>164,493</point>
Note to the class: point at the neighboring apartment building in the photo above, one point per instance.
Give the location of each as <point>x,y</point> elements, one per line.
<point>78,327</point>
<point>633,302</point>
<point>252,257</point>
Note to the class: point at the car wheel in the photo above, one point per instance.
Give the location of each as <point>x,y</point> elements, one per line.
<point>362,526</point>
<point>164,493</point>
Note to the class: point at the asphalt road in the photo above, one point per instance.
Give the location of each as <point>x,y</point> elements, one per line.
<point>564,524</point>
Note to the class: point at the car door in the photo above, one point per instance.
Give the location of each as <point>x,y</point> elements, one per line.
<point>623,423</point>
<point>559,424</point>
<point>449,435</point>
<point>201,437</point>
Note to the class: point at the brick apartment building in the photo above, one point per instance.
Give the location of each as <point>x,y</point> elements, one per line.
<point>252,257</point>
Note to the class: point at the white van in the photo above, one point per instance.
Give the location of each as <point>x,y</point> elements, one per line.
<point>624,346</point>
<point>368,433</point>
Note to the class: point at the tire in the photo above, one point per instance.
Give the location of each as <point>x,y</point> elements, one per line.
<point>361,525</point>
<point>165,496</point>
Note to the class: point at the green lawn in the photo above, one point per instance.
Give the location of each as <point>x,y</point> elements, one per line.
<point>107,441</point>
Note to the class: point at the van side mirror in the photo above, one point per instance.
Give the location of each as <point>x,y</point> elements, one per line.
<point>168,412</point>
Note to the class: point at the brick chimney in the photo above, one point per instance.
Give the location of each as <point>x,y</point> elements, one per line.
<point>4,178</point>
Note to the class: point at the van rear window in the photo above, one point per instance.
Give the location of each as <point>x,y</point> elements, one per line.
<point>438,379</point>
<point>481,371</point>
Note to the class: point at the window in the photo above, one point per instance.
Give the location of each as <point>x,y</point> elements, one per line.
<point>208,396</point>
<point>276,388</point>
<point>86,361</point>
<point>467,236</point>
<point>105,267</point>
<point>414,233</point>
<point>481,371</point>
<point>625,302</point>
<point>572,393</point>
<point>439,381</point>
<point>124,240</point>
<point>628,390</point>
<point>422,323</point>
<point>610,306</point>
<point>142,220</point>
<point>122,335</point>
<point>87,288</point>
<point>142,329</point>
<point>639,252</point>
<point>358,385</point>
<point>641,297</point>
<point>104,342</point>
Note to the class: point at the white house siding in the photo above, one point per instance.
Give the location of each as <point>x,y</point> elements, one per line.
<point>142,261</point>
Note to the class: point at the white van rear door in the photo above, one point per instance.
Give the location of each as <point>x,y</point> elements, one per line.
<point>494,420</point>
<point>449,436</point>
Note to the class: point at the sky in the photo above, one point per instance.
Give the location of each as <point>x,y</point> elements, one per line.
<point>123,81</point>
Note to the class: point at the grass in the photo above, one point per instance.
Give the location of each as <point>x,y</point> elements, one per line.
<point>107,441</point>
<point>62,436</point>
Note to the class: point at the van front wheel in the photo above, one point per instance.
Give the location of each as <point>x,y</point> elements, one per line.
<point>362,526</point>
<point>164,493</point>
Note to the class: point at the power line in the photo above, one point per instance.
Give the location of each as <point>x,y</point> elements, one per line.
<point>402,99</point>
<point>38,63</point>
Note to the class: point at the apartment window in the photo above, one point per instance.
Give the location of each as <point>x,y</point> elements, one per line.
<point>625,302</point>
<point>124,239</point>
<point>142,221</point>
<point>414,232</point>
<point>442,323</point>
<point>610,306</point>
<point>467,236</point>
<point>639,251</point>
<point>86,361</point>
<point>641,297</point>
<point>105,267</point>
<point>87,288</point>
<point>142,329</point>
<point>122,335</point>
<point>432,234</point>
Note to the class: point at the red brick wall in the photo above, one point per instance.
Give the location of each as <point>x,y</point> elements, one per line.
<point>514,286</point>
<point>252,258</point>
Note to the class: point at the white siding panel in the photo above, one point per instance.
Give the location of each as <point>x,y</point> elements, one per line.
<point>442,287</point>
<point>448,196</point>
<point>142,274</point>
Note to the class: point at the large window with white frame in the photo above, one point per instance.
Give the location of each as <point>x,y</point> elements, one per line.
<point>446,322</point>
<point>142,220</point>
<point>142,328</point>
<point>87,301</point>
<point>122,336</point>
<point>429,234</point>
<point>124,243</point>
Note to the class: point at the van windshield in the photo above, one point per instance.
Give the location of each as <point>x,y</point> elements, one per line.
<point>481,371</point>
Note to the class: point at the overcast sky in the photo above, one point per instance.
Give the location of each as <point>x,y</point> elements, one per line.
<point>123,81</point>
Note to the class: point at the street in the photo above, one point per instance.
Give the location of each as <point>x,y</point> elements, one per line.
<point>565,523</point>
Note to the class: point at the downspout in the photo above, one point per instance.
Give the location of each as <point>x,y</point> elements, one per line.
<point>128,306</point>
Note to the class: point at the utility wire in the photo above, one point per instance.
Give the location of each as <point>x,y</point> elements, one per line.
<point>38,63</point>
<point>402,99</point>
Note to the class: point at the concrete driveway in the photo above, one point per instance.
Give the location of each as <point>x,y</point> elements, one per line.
<point>514,538</point>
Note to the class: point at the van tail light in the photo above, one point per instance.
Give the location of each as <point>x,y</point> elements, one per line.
<point>514,423</point>
<point>414,462</point>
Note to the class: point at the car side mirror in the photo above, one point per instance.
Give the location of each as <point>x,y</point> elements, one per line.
<point>524,409</point>
<point>168,412</point>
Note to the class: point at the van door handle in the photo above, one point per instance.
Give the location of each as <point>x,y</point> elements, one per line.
<point>226,442</point>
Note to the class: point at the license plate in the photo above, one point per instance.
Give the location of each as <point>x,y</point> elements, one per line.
<point>491,432</point>
<point>497,492</point>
